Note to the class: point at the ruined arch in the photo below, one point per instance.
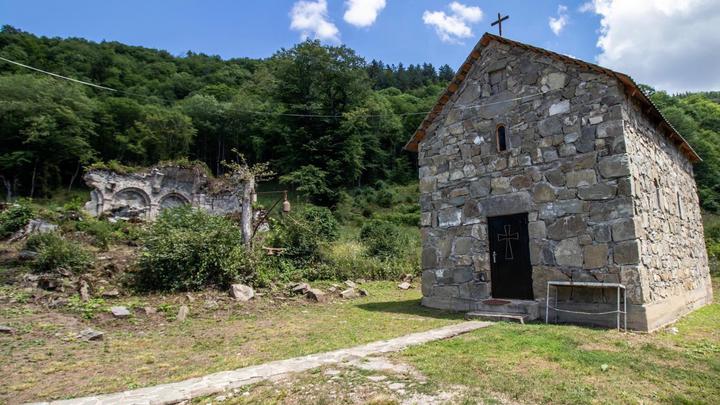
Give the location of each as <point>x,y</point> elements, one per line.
<point>173,200</point>
<point>131,202</point>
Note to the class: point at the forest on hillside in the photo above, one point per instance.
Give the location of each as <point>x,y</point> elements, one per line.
<point>320,115</point>
<point>201,107</point>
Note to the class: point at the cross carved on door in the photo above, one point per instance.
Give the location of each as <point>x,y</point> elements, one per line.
<point>507,237</point>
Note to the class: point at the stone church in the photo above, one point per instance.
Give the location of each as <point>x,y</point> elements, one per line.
<point>536,167</point>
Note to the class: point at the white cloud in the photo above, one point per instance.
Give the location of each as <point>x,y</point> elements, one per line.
<point>456,25</point>
<point>673,45</point>
<point>558,23</point>
<point>363,13</point>
<point>311,19</point>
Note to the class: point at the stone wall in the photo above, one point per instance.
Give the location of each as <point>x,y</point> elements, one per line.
<point>144,194</point>
<point>668,224</point>
<point>565,165</point>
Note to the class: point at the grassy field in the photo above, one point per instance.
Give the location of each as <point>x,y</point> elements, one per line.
<point>43,360</point>
<point>575,365</point>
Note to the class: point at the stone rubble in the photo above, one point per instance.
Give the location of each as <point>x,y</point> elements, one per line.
<point>242,292</point>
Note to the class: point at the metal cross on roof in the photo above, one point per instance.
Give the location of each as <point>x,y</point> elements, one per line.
<point>499,22</point>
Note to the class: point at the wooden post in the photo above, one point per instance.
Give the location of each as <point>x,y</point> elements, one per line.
<point>246,218</point>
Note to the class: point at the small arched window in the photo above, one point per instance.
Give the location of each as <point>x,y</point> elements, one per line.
<point>501,138</point>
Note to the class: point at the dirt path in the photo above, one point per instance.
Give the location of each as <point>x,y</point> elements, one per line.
<point>223,381</point>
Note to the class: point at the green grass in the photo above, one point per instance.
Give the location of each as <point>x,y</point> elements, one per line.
<point>143,351</point>
<point>563,364</point>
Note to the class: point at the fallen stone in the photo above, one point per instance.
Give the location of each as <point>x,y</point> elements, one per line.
<point>189,297</point>
<point>48,282</point>
<point>363,292</point>
<point>404,286</point>
<point>34,226</point>
<point>182,313</point>
<point>316,295</point>
<point>241,292</point>
<point>120,312</point>
<point>84,290</point>
<point>111,294</point>
<point>6,330</point>
<point>408,278</point>
<point>349,293</point>
<point>90,334</point>
<point>300,288</point>
<point>332,372</point>
<point>149,310</point>
<point>396,386</point>
<point>376,378</point>
<point>27,255</point>
<point>350,283</point>
<point>210,304</point>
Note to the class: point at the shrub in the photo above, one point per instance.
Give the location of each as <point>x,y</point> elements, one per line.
<point>187,248</point>
<point>56,252</point>
<point>382,239</point>
<point>347,260</point>
<point>400,219</point>
<point>102,232</point>
<point>302,234</point>
<point>14,218</point>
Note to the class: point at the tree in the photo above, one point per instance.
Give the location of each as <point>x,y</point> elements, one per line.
<point>45,132</point>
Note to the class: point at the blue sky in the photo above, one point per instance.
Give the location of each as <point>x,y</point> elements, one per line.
<point>402,30</point>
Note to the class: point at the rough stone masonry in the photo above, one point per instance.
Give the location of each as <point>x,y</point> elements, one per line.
<point>145,193</point>
<point>606,184</point>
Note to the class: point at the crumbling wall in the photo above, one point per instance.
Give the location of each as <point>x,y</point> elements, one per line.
<point>146,193</point>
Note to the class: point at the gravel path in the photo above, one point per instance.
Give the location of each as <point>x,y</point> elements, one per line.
<point>214,383</point>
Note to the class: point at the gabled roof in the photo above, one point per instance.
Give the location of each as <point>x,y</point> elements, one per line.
<point>631,88</point>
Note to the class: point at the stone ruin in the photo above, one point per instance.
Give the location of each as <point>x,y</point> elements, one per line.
<point>144,194</point>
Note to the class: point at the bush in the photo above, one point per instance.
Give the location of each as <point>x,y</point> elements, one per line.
<point>348,261</point>
<point>56,252</point>
<point>14,218</point>
<point>302,234</point>
<point>102,232</point>
<point>186,249</point>
<point>400,219</point>
<point>383,239</point>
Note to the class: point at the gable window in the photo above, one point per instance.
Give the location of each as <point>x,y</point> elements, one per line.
<point>501,138</point>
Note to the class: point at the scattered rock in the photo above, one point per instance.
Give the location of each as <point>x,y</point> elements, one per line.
<point>363,292</point>
<point>111,294</point>
<point>360,281</point>
<point>316,295</point>
<point>376,378</point>
<point>349,293</point>
<point>84,290</point>
<point>34,226</point>
<point>48,282</point>
<point>90,334</point>
<point>210,304</point>
<point>300,288</point>
<point>404,285</point>
<point>120,312</point>
<point>332,372</point>
<point>350,284</point>
<point>182,313</point>
<point>190,298</point>
<point>149,310</point>
<point>673,330</point>
<point>6,330</point>
<point>396,386</point>
<point>27,255</point>
<point>408,278</point>
<point>242,292</point>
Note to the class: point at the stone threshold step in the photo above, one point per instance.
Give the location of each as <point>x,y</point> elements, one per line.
<point>499,317</point>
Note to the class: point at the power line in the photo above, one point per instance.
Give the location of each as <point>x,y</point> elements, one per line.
<point>57,75</point>
<point>269,113</point>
